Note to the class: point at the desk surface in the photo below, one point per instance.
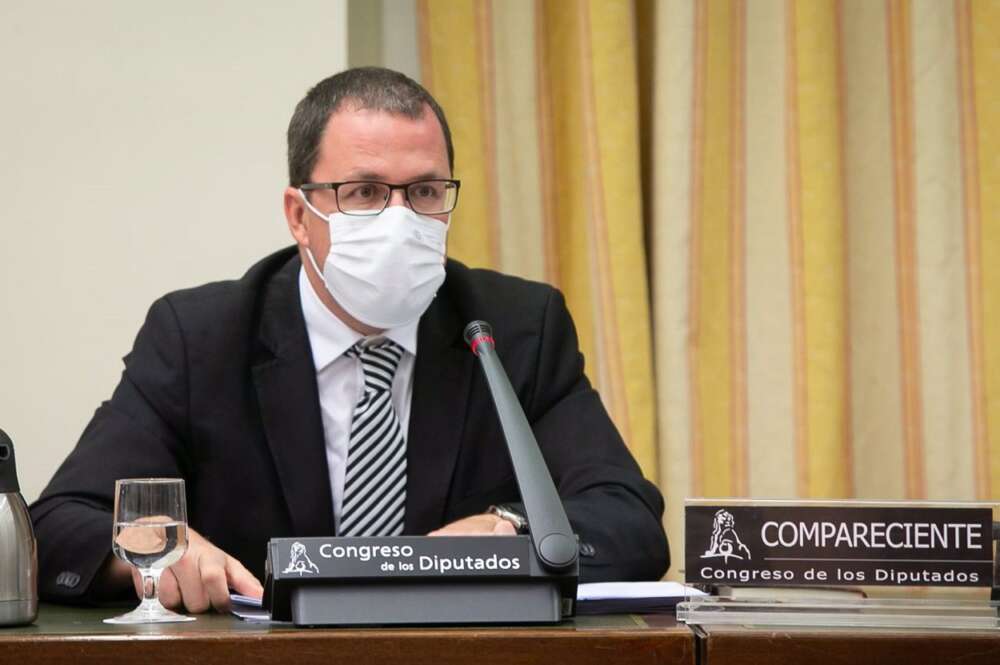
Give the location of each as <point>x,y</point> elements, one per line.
<point>75,635</point>
<point>737,645</point>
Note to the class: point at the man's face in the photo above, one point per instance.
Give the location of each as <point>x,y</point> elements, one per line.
<point>361,144</point>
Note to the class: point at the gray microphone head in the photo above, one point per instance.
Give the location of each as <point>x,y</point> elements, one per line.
<point>478,330</point>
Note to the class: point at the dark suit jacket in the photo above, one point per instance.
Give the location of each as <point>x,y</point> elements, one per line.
<point>220,389</point>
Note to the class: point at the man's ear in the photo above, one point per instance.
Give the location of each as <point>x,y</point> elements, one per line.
<point>295,213</point>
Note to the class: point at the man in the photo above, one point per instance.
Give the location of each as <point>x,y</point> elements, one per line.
<point>329,390</point>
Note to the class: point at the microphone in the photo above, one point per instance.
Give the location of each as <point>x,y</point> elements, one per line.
<point>554,542</point>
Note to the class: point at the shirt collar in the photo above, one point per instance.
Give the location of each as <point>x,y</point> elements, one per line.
<point>330,337</point>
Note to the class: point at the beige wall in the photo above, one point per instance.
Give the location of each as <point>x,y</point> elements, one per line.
<point>141,151</point>
<point>384,33</point>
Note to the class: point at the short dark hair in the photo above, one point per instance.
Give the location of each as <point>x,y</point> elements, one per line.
<point>371,88</point>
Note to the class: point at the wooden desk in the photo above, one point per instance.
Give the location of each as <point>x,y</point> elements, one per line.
<point>735,645</point>
<point>73,636</point>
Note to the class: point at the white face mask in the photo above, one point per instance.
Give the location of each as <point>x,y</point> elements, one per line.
<point>384,270</point>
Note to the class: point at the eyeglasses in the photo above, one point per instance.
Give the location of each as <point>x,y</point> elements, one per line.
<point>370,197</point>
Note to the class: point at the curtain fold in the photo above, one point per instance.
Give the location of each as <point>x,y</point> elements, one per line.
<point>550,171</point>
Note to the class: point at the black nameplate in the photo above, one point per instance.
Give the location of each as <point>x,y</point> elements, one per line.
<point>770,545</point>
<point>403,556</point>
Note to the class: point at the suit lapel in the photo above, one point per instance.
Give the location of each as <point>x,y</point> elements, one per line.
<point>441,380</point>
<point>285,379</point>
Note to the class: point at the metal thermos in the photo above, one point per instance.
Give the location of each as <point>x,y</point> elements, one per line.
<point>18,549</point>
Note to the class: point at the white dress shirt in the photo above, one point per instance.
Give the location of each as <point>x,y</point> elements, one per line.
<point>340,379</point>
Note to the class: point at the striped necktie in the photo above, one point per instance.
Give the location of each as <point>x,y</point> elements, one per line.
<point>375,478</point>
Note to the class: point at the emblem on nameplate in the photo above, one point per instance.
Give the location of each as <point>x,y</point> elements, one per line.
<point>299,561</point>
<point>725,541</point>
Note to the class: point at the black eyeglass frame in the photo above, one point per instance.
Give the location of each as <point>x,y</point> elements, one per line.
<point>335,186</point>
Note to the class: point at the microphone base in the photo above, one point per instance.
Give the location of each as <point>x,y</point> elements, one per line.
<point>414,580</point>
<point>426,604</point>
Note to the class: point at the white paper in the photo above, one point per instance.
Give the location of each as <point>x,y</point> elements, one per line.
<point>625,590</point>
<point>251,615</point>
<point>248,608</point>
<point>249,601</point>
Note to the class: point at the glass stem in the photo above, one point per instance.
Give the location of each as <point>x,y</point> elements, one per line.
<point>150,587</point>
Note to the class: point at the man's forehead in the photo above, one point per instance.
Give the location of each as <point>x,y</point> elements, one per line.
<point>352,119</point>
<point>370,172</point>
<point>364,143</point>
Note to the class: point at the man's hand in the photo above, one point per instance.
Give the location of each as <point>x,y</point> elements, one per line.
<point>200,580</point>
<point>486,524</point>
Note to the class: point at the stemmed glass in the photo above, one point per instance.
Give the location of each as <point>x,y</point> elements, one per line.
<point>150,534</point>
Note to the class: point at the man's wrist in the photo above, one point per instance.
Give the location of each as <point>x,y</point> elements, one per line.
<point>112,581</point>
<point>508,514</point>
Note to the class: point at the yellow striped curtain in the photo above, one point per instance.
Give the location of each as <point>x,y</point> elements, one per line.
<point>825,236</point>
<point>550,171</point>
<point>821,308</point>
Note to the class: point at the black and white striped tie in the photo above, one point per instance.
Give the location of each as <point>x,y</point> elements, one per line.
<point>375,477</point>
